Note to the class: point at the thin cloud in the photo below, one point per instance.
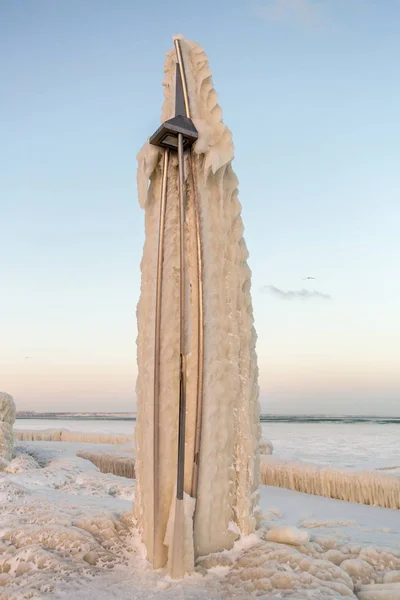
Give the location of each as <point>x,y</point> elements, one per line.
<point>292,294</point>
<point>306,12</point>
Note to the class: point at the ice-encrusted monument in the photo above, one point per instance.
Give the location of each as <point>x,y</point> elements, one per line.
<point>197,457</point>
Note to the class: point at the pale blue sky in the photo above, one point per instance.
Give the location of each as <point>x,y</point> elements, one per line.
<point>311,91</point>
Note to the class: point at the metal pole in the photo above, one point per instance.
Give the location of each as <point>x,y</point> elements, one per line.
<point>157,559</point>
<point>183,77</point>
<point>200,307</point>
<point>177,559</point>
<point>182,325</point>
<point>200,336</point>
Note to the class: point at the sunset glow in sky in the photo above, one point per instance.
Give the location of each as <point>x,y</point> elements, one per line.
<point>311,92</point>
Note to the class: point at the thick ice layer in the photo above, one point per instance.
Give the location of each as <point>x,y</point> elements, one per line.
<point>364,487</point>
<point>6,441</point>
<point>7,418</point>
<point>7,408</point>
<point>229,460</point>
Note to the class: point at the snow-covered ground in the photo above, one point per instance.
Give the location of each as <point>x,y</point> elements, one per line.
<point>66,531</point>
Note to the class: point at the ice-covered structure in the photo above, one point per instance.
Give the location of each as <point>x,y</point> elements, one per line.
<point>229,468</point>
<point>7,419</point>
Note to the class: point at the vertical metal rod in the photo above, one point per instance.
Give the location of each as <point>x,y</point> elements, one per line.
<point>183,77</point>
<point>200,334</point>
<point>200,306</point>
<point>156,422</point>
<point>182,326</point>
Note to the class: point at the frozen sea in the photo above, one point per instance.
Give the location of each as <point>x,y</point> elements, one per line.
<point>371,444</point>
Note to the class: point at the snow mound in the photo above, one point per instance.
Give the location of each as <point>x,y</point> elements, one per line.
<point>288,535</point>
<point>121,465</point>
<point>7,408</point>
<point>63,435</point>
<point>362,487</point>
<point>23,462</point>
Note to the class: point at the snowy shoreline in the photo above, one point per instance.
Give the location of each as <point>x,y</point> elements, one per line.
<point>67,531</point>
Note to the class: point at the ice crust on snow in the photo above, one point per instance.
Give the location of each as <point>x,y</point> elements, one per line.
<point>48,540</point>
<point>229,462</point>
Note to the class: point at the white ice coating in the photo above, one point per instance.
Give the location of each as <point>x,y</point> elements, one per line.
<point>229,459</point>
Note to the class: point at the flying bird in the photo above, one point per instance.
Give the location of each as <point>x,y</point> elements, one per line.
<point>305,278</point>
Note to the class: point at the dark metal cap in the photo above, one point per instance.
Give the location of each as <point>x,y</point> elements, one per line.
<point>166,135</point>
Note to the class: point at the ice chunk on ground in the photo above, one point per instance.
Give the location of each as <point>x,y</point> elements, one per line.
<point>359,570</point>
<point>288,535</point>
<point>23,462</point>
<point>265,446</point>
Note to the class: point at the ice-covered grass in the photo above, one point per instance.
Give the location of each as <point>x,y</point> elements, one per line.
<point>377,488</point>
<point>66,531</point>
<point>121,465</point>
<point>64,435</point>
